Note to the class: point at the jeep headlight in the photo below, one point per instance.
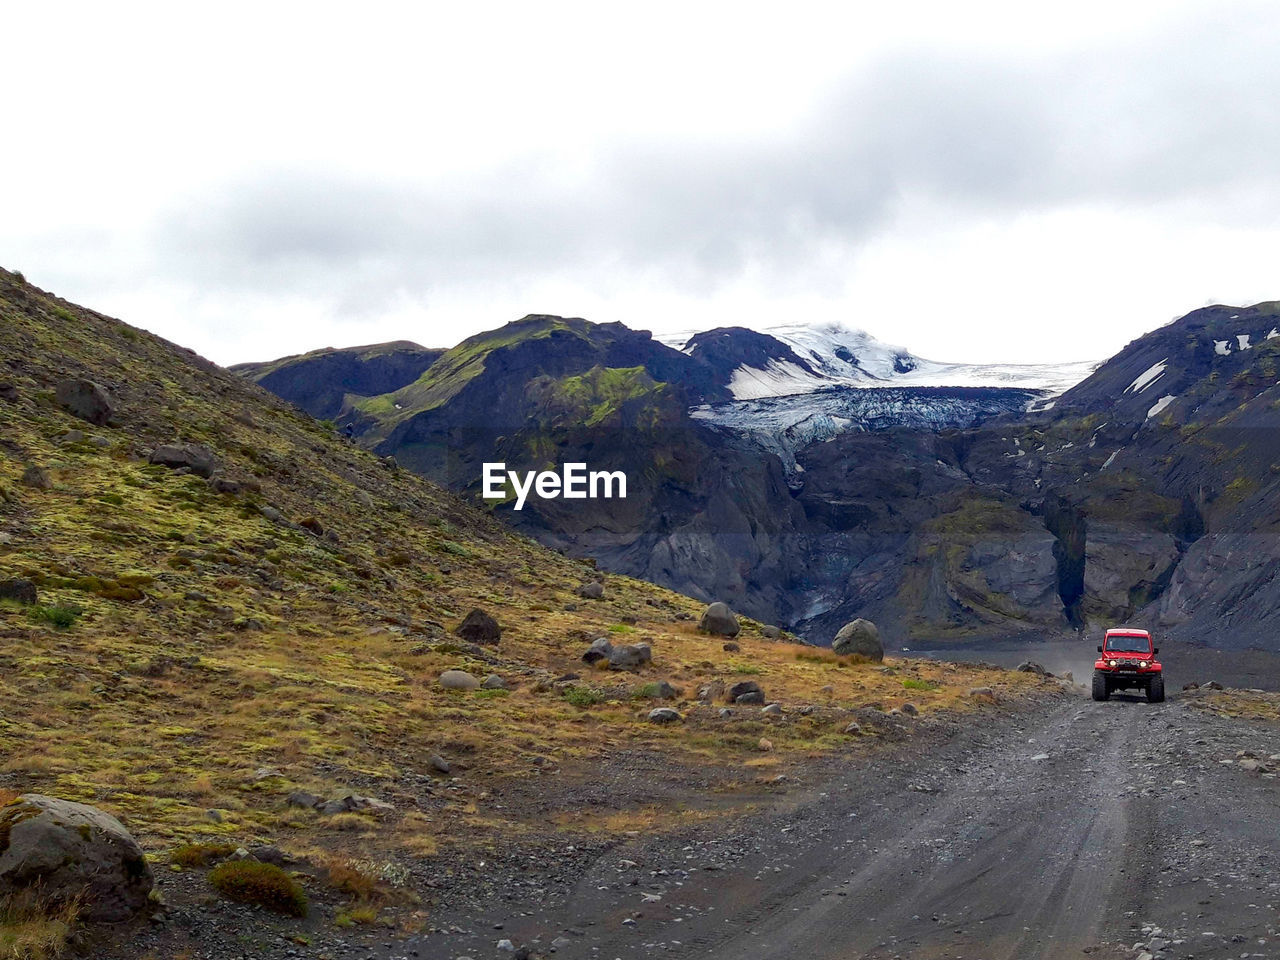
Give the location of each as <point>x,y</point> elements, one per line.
<point>1143,664</point>
<point>1112,663</point>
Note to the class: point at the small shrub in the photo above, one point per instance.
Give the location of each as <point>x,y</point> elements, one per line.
<point>746,668</point>
<point>362,914</point>
<point>347,878</point>
<point>911,683</point>
<point>200,854</point>
<point>583,696</point>
<point>620,628</point>
<point>262,884</point>
<point>61,616</point>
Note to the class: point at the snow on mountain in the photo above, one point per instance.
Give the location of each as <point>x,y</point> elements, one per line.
<point>835,355</point>
<point>787,424</point>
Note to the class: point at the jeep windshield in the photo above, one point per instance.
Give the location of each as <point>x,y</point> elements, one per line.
<point>1122,644</point>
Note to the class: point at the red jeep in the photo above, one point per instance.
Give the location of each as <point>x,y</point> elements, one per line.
<point>1128,661</point>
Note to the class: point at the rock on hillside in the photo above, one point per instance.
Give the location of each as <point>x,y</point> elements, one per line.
<point>69,851</point>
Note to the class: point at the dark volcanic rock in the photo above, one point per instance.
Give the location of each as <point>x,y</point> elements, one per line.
<point>86,400</point>
<point>195,457</point>
<point>719,620</point>
<point>24,591</point>
<point>479,627</point>
<point>69,850</point>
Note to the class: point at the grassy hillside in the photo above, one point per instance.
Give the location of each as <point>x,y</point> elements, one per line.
<point>202,648</point>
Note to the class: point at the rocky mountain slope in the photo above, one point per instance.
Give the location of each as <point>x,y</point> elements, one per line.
<point>321,381</point>
<point>232,628</point>
<point>1145,492</point>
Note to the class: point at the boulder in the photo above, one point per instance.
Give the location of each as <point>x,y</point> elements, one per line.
<point>731,647</point>
<point>221,483</point>
<point>664,715</point>
<point>600,649</point>
<point>859,637</point>
<point>24,591</point>
<point>1030,666</point>
<point>719,620</point>
<point>458,680</point>
<point>745,688</point>
<point>772,710</point>
<point>662,690</point>
<point>747,699</point>
<point>303,800</point>
<point>86,400</point>
<point>495,682</point>
<point>195,457</point>
<point>479,627</point>
<point>771,633</point>
<point>37,478</point>
<point>69,850</point>
<point>630,656</point>
<point>592,590</point>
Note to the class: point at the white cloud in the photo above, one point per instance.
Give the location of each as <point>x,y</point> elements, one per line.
<point>1000,182</point>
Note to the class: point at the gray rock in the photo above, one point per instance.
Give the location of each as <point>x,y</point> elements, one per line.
<point>86,400</point>
<point>440,764</point>
<point>749,699</point>
<point>910,709</point>
<point>662,690</point>
<point>592,590</point>
<point>1030,666</point>
<point>36,478</point>
<point>771,633</point>
<point>195,457</point>
<point>272,514</point>
<point>743,688</point>
<point>772,710</point>
<point>854,729</point>
<point>719,620</point>
<point>221,483</point>
<point>630,657</point>
<point>731,647</point>
<point>495,682</point>
<point>600,649</point>
<point>859,637</point>
<point>73,850</point>
<point>664,715</point>
<point>982,693</point>
<point>24,591</point>
<point>303,800</point>
<point>458,680</point>
<point>479,627</point>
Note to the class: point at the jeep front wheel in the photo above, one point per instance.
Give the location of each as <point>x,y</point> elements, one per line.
<point>1155,690</point>
<point>1100,688</point>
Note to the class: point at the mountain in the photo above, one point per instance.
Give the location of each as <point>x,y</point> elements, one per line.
<point>323,382</point>
<point>800,358</point>
<point>944,512</point>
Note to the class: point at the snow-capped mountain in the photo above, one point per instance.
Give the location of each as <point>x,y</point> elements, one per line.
<point>800,358</point>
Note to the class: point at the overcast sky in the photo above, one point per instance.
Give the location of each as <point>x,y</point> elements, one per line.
<point>1001,181</point>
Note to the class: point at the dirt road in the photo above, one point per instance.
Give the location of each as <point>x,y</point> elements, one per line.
<point>1080,829</point>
